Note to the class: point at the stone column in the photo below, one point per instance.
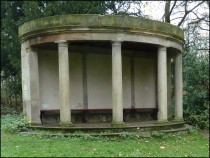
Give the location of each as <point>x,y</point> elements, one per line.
<point>64,85</point>
<point>30,84</point>
<point>162,85</point>
<point>178,88</point>
<point>169,90</point>
<point>24,77</point>
<point>117,100</point>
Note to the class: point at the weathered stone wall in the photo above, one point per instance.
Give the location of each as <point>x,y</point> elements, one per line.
<point>145,82</point>
<point>99,80</point>
<point>49,85</point>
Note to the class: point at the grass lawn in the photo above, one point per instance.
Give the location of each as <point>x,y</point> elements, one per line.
<point>182,145</point>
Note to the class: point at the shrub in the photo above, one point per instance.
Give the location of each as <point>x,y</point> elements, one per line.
<point>196,88</point>
<point>11,94</point>
<point>157,134</point>
<point>14,123</point>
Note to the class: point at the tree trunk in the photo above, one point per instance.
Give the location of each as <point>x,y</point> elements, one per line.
<point>167,11</point>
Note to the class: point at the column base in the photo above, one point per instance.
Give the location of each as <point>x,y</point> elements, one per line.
<point>170,118</point>
<point>66,124</point>
<point>118,124</point>
<point>162,122</point>
<point>39,123</point>
<point>178,119</point>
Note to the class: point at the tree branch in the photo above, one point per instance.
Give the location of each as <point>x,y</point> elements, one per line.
<point>177,12</point>
<point>176,18</point>
<point>196,6</point>
<point>172,7</point>
<point>199,17</point>
<point>187,12</point>
<point>203,28</point>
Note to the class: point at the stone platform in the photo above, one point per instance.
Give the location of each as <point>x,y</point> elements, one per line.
<point>146,126</point>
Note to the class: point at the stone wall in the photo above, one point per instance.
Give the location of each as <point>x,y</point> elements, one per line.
<point>99,81</point>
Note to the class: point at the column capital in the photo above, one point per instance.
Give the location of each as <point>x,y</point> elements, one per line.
<point>178,54</point>
<point>116,43</point>
<point>162,48</point>
<point>62,43</point>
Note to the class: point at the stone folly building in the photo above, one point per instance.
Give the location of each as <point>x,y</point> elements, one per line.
<point>100,68</point>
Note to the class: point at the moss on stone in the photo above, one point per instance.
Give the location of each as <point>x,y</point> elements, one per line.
<point>162,122</point>
<point>178,119</point>
<point>116,23</point>
<point>66,124</point>
<point>118,124</point>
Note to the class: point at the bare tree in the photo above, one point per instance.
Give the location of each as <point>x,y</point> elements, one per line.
<point>180,10</point>
<point>169,10</point>
<point>193,17</point>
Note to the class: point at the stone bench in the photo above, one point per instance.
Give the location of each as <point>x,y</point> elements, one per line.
<point>55,113</point>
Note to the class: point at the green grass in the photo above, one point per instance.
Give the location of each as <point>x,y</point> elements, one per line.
<point>187,144</point>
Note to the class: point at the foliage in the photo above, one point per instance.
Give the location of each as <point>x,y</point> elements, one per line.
<point>196,78</point>
<point>9,110</point>
<point>128,135</point>
<point>14,123</point>
<point>196,88</point>
<point>158,134</point>
<point>11,94</point>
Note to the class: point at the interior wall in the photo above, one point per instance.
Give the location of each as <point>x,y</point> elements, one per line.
<point>145,82</point>
<point>49,80</point>
<point>126,77</point>
<point>76,80</point>
<point>99,81</point>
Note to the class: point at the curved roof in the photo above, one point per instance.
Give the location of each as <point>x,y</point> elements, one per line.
<point>98,23</point>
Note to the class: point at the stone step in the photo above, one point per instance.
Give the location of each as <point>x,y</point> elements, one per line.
<point>145,134</point>
<point>175,130</point>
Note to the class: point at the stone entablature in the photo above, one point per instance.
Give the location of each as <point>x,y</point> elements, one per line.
<point>93,23</point>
